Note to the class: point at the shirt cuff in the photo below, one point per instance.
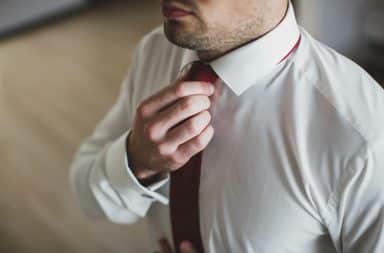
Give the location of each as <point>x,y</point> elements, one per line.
<point>134,195</point>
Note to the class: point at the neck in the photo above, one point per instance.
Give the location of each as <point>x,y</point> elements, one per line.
<point>210,55</point>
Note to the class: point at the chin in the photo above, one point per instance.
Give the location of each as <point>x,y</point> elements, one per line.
<point>176,33</point>
<point>182,36</point>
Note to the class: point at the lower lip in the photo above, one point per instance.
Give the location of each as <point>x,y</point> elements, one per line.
<point>175,14</point>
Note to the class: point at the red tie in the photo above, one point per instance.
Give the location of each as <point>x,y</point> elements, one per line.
<point>184,185</point>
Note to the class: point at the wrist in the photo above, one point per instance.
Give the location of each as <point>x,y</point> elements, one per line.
<point>143,175</point>
<point>151,179</point>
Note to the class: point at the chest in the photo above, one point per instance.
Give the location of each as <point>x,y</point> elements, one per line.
<point>254,193</point>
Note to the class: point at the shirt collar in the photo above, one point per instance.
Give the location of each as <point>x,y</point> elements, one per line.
<point>244,66</point>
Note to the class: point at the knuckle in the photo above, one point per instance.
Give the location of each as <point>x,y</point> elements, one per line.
<point>186,104</point>
<point>175,160</point>
<point>199,142</point>
<point>162,149</point>
<point>151,131</point>
<point>193,126</point>
<point>206,101</point>
<point>207,116</point>
<point>180,89</point>
<point>142,110</point>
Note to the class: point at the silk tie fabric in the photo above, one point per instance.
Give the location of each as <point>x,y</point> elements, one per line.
<point>184,184</point>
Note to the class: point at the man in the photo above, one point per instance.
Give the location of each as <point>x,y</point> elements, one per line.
<point>268,142</point>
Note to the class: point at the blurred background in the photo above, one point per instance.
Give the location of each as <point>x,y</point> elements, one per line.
<point>61,66</point>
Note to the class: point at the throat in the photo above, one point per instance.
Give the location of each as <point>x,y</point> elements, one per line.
<point>210,55</point>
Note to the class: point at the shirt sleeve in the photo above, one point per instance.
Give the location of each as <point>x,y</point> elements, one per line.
<point>356,221</point>
<point>100,176</point>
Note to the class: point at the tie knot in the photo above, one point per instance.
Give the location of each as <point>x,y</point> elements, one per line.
<point>201,71</point>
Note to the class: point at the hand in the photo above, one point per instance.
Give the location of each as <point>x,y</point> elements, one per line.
<point>170,127</point>
<point>185,247</point>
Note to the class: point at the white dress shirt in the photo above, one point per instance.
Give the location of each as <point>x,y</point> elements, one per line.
<point>296,163</point>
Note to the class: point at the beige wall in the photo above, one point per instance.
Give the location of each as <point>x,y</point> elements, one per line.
<point>56,82</point>
<point>339,24</point>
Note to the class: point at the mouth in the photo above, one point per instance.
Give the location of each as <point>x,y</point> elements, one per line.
<point>174,11</point>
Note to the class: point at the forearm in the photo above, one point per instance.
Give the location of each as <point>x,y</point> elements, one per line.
<point>105,184</point>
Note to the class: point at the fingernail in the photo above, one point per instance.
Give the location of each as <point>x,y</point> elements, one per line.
<point>185,246</point>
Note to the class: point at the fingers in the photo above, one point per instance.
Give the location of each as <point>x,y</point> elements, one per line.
<point>183,104</point>
<point>170,94</point>
<point>187,247</point>
<point>178,112</point>
<point>196,144</point>
<point>187,150</point>
<point>188,129</point>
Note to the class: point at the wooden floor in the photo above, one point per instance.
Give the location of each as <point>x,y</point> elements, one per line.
<point>56,82</point>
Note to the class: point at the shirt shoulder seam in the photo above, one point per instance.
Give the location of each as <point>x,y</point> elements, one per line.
<point>332,199</point>
<point>350,123</point>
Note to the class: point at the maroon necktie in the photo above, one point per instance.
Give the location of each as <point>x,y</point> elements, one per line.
<point>184,185</point>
